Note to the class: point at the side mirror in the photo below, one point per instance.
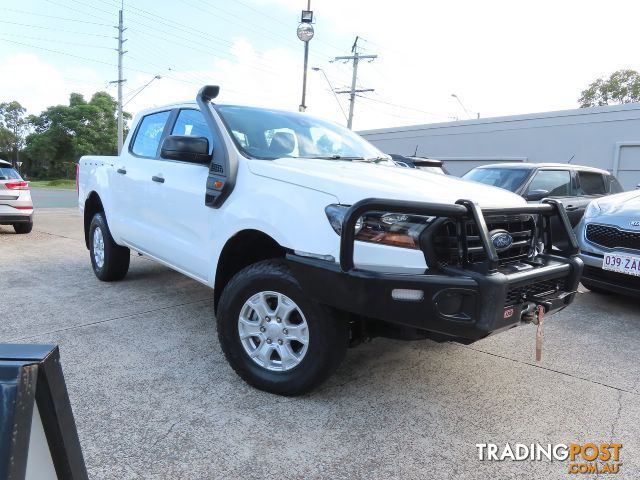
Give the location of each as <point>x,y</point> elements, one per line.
<point>638,186</point>
<point>536,195</point>
<point>186,149</point>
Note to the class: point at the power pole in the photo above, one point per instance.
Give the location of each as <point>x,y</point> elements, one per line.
<point>356,57</point>
<point>120,80</point>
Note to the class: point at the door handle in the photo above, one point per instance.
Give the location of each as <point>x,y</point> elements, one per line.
<point>122,171</point>
<point>571,208</point>
<point>155,178</point>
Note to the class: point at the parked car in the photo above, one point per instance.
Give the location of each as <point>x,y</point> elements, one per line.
<point>16,207</point>
<point>426,164</point>
<point>313,240</point>
<point>609,239</point>
<point>573,185</point>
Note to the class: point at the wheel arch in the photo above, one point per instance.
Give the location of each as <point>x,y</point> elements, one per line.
<point>244,248</point>
<point>92,205</point>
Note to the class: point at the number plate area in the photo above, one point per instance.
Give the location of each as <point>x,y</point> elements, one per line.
<point>622,263</point>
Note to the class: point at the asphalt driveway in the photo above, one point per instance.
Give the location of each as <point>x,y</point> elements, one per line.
<point>154,398</point>
<point>54,198</point>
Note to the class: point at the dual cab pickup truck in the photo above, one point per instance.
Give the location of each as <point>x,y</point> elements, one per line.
<point>313,240</point>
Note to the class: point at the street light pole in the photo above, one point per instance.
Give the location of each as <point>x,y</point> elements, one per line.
<point>318,69</point>
<point>305,34</point>
<point>463,107</point>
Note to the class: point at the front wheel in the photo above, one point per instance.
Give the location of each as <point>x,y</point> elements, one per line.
<point>109,260</point>
<point>274,337</point>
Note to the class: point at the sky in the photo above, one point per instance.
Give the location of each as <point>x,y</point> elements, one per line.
<point>499,57</point>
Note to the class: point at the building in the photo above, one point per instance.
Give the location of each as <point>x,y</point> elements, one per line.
<point>604,137</point>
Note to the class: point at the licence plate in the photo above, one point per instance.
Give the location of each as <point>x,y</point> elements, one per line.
<point>622,263</point>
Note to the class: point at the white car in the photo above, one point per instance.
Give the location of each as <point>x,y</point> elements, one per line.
<point>313,240</point>
<point>16,207</point>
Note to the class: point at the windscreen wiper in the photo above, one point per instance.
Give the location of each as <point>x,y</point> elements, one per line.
<point>340,157</point>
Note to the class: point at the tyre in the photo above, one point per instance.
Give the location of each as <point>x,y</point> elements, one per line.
<point>595,289</point>
<point>275,337</point>
<point>22,228</point>
<point>109,260</point>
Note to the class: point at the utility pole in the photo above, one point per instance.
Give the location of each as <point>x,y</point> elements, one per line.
<point>356,57</point>
<point>120,80</point>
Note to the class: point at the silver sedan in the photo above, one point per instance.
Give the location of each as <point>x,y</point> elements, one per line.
<point>16,207</point>
<point>609,238</point>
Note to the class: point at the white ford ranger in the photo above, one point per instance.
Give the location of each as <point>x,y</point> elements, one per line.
<point>312,239</point>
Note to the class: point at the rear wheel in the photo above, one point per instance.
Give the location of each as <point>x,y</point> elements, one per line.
<point>109,260</point>
<point>22,228</point>
<point>593,288</point>
<point>274,337</point>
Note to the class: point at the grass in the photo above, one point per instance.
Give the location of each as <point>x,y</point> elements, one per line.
<point>57,183</point>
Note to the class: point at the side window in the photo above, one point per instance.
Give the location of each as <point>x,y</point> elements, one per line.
<point>149,134</point>
<point>556,182</point>
<point>591,183</point>
<point>614,185</point>
<point>192,123</point>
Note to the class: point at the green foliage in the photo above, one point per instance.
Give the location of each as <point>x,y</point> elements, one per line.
<point>13,126</point>
<point>622,86</point>
<point>63,133</point>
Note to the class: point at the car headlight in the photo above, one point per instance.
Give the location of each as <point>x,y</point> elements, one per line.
<point>385,228</point>
<point>593,209</point>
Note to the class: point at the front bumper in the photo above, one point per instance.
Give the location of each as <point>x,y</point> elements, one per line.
<point>615,282</point>
<point>463,303</point>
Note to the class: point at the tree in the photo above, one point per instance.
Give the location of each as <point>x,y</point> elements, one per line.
<point>13,127</point>
<point>63,133</point>
<point>622,86</point>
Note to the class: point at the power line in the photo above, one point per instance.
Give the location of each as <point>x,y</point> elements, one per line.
<point>61,41</point>
<point>403,107</point>
<point>55,29</point>
<point>57,18</point>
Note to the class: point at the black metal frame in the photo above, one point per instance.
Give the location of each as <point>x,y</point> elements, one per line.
<point>28,373</point>
<point>462,209</point>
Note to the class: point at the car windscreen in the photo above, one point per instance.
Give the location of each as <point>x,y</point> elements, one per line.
<point>270,134</point>
<point>507,178</point>
<point>8,173</point>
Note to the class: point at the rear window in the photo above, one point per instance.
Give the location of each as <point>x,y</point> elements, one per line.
<point>591,183</point>
<point>8,173</point>
<point>507,178</point>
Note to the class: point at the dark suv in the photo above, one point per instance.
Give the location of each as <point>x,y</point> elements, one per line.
<point>572,185</point>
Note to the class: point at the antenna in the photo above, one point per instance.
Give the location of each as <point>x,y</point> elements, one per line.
<point>415,154</point>
<point>572,157</point>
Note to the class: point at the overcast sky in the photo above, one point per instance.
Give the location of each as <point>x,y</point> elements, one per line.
<point>499,57</point>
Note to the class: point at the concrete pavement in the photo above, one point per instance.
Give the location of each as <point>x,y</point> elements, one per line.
<point>154,397</point>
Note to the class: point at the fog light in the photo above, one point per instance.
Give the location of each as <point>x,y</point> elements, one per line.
<point>405,295</point>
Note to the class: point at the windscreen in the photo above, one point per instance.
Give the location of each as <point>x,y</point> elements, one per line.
<point>271,134</point>
<point>508,178</point>
<point>8,173</point>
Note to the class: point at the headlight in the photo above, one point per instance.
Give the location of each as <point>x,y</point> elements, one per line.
<point>386,228</point>
<point>592,210</point>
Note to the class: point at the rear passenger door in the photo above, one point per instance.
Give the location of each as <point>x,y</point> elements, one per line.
<point>131,219</point>
<point>589,185</point>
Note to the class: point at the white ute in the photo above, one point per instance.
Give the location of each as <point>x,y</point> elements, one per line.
<point>313,240</point>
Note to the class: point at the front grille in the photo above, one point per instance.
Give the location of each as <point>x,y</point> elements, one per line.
<point>450,238</point>
<point>612,237</point>
<point>595,273</point>
<point>525,293</point>
<point>216,168</point>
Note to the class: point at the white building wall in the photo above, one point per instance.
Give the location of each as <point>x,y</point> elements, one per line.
<point>603,137</point>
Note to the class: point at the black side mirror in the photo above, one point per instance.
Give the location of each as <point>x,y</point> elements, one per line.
<point>186,149</point>
<point>536,195</point>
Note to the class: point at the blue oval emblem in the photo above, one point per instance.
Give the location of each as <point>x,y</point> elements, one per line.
<point>501,240</point>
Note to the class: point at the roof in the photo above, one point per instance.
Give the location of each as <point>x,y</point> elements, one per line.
<point>532,166</point>
<point>628,110</point>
